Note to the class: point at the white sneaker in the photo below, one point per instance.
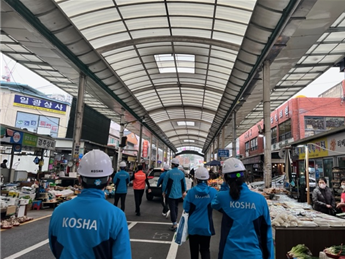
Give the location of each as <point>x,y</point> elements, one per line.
<point>164,214</point>
<point>167,214</point>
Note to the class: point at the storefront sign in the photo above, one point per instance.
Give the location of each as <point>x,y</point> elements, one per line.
<point>316,148</point>
<point>11,136</point>
<point>336,144</point>
<point>46,143</point>
<point>39,104</point>
<point>29,140</point>
<point>279,145</point>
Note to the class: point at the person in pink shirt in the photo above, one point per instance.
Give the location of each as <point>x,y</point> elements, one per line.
<point>341,204</point>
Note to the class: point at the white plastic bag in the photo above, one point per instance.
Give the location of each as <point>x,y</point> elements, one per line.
<point>182,229</point>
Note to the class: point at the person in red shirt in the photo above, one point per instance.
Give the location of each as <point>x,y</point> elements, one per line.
<point>139,182</point>
<point>341,204</point>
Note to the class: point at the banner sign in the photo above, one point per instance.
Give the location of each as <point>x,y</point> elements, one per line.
<point>39,104</point>
<point>223,152</point>
<point>145,148</point>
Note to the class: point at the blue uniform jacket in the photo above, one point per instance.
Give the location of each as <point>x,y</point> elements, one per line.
<point>161,178</point>
<point>198,204</point>
<point>174,184</point>
<point>121,180</point>
<point>246,226</point>
<point>89,226</point>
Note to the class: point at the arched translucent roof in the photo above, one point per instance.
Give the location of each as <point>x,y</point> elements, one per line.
<point>184,65</point>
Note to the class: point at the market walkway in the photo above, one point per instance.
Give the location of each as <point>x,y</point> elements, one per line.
<point>149,233</point>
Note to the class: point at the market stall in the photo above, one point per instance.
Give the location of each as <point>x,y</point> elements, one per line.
<point>22,143</point>
<point>297,223</point>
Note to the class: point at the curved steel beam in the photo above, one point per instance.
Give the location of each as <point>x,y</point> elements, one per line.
<point>188,39</point>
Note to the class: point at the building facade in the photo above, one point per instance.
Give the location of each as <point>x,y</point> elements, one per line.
<point>296,119</point>
<point>26,108</point>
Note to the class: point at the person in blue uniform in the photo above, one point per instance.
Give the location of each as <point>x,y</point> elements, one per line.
<point>200,223</point>
<point>166,211</point>
<point>121,181</point>
<point>246,230</point>
<point>89,226</point>
<point>174,187</point>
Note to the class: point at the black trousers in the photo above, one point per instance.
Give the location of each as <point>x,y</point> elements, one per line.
<point>173,205</point>
<point>138,195</point>
<point>121,196</point>
<point>200,244</point>
<point>165,204</point>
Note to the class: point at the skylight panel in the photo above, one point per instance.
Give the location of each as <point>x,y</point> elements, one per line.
<point>188,140</point>
<point>185,123</point>
<point>166,63</point>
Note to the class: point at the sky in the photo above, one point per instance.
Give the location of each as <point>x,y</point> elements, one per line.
<point>20,74</point>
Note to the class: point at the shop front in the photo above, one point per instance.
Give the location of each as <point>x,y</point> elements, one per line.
<point>26,152</point>
<point>254,168</point>
<point>325,152</point>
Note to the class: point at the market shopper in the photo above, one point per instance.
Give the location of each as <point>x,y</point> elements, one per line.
<point>200,223</point>
<point>166,211</point>
<point>246,230</point>
<point>341,204</point>
<point>139,179</point>
<point>4,164</point>
<point>174,187</point>
<point>121,181</point>
<point>323,199</point>
<point>88,226</point>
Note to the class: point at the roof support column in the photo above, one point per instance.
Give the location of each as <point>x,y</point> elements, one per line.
<point>234,134</point>
<point>218,145</point>
<point>78,122</point>
<point>223,138</point>
<point>140,143</point>
<point>166,154</point>
<point>156,162</point>
<point>122,128</point>
<point>150,152</point>
<point>267,124</point>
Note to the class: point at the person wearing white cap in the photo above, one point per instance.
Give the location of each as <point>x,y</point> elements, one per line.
<point>89,226</point>
<point>174,187</point>
<point>121,181</point>
<point>166,211</point>
<point>246,230</point>
<point>200,223</point>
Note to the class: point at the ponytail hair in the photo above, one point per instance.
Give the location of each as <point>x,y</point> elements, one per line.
<point>235,185</point>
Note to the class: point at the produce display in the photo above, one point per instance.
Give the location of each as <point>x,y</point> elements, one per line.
<point>335,251</point>
<point>300,251</point>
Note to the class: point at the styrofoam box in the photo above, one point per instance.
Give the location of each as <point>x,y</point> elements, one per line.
<point>73,174</point>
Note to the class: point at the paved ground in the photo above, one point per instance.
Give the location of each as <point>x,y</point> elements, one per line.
<point>149,233</point>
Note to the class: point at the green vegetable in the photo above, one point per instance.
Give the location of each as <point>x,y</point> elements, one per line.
<point>300,251</point>
<point>336,250</point>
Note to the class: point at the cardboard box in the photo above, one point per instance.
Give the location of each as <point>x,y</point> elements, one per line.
<point>11,210</point>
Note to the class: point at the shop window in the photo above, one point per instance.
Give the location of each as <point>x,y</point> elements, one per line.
<point>274,135</point>
<point>315,125</point>
<point>328,165</point>
<point>254,144</point>
<point>34,123</point>
<point>285,130</point>
<point>247,145</point>
<point>341,161</point>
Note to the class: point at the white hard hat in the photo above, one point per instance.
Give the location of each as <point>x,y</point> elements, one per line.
<point>123,164</point>
<point>201,173</point>
<point>95,164</point>
<point>166,167</point>
<point>233,165</point>
<point>175,161</point>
